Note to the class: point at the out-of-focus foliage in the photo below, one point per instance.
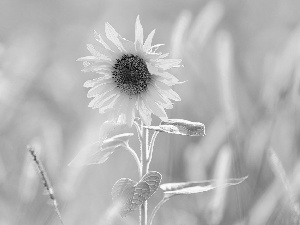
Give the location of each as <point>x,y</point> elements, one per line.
<point>99,152</point>
<point>242,66</point>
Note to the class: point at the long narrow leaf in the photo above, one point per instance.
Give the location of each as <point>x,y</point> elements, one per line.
<point>180,126</point>
<point>186,188</point>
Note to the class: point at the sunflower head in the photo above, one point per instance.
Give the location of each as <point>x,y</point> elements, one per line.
<point>133,80</point>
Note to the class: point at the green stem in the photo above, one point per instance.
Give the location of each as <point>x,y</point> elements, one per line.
<point>136,158</point>
<point>149,156</point>
<point>145,159</point>
<point>144,152</point>
<point>156,209</point>
<point>139,131</point>
<point>143,136</point>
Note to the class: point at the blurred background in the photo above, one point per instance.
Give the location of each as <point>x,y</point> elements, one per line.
<point>242,65</point>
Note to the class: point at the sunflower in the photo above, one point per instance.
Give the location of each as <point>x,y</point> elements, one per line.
<point>133,81</point>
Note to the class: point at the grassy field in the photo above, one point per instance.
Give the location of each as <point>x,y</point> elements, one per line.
<point>242,71</point>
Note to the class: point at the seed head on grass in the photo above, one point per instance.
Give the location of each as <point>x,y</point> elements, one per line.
<point>46,181</point>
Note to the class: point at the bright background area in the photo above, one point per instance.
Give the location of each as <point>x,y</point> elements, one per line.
<point>242,63</point>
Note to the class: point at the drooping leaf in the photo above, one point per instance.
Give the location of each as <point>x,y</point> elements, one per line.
<point>105,129</point>
<point>120,139</point>
<point>102,155</point>
<point>134,194</point>
<point>100,151</point>
<point>180,126</point>
<point>186,188</point>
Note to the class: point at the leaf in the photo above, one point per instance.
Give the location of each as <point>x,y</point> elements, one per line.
<point>186,188</point>
<point>153,179</point>
<point>133,194</point>
<point>102,155</point>
<point>139,196</point>
<point>180,126</point>
<point>120,139</point>
<point>99,152</point>
<point>122,188</point>
<point>106,128</point>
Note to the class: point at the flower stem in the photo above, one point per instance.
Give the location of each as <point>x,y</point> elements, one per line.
<point>136,158</point>
<point>150,152</point>
<point>144,152</point>
<point>156,209</point>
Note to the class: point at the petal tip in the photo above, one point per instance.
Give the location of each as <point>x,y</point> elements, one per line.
<point>139,39</point>
<point>138,21</point>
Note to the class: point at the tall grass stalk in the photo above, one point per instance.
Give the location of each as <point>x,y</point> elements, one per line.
<point>46,181</point>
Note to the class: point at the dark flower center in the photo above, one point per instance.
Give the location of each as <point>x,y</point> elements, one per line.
<point>131,74</point>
